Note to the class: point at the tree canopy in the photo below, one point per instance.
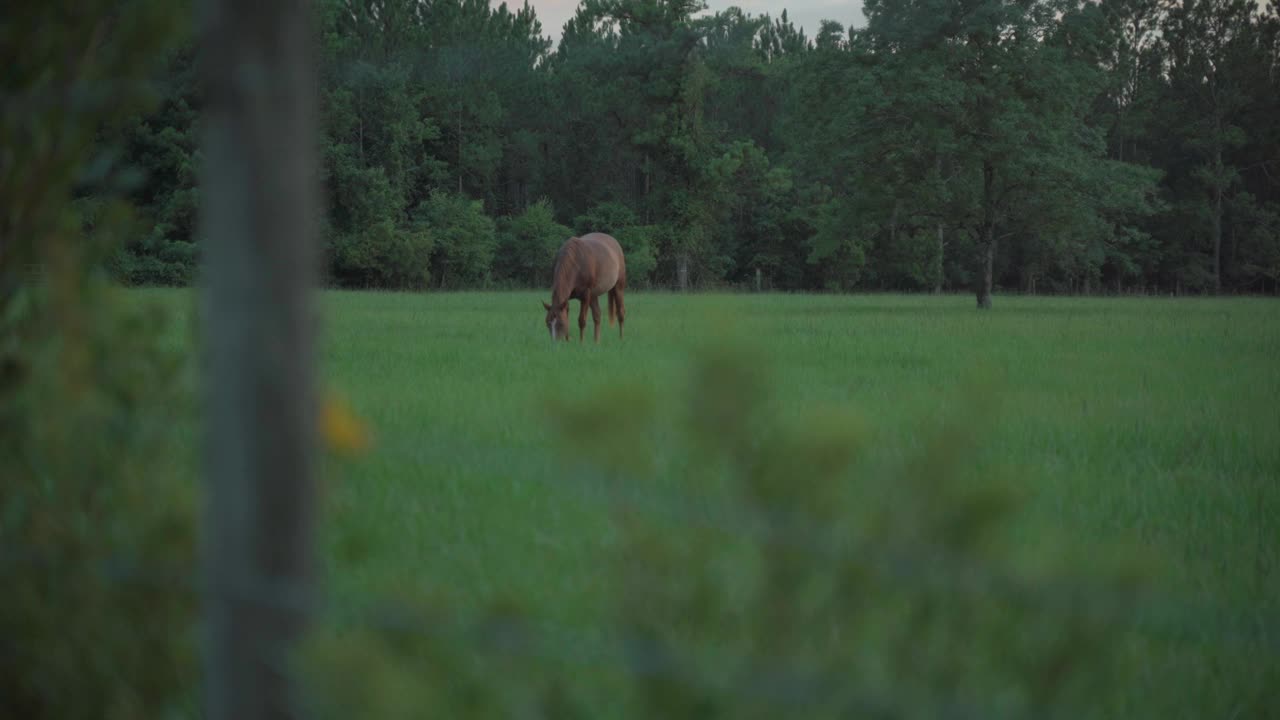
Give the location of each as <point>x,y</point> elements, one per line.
<point>977,145</point>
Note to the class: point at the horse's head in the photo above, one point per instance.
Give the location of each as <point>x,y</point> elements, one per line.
<point>558,320</point>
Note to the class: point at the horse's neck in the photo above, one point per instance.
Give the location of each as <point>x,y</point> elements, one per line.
<point>562,285</point>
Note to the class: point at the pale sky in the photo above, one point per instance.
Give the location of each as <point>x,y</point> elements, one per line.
<point>803,13</point>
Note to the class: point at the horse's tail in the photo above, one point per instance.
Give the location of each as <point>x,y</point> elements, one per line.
<point>613,306</point>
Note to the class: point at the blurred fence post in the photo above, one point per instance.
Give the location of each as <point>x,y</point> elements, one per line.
<point>258,230</point>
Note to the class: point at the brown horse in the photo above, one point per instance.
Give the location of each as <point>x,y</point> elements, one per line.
<point>586,267</point>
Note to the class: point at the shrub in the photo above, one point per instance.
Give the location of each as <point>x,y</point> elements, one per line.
<point>96,536</point>
<point>639,242</point>
<point>465,238</point>
<point>529,242</point>
<point>384,256</point>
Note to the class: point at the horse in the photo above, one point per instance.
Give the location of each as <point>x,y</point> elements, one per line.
<point>585,268</point>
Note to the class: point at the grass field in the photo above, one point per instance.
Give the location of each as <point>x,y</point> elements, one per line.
<point>1154,422</point>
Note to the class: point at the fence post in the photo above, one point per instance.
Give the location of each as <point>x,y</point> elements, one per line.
<point>258,228</point>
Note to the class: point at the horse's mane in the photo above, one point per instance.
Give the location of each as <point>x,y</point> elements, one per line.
<point>562,270</point>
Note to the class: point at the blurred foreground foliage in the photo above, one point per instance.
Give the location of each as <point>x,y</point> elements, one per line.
<point>92,500</point>
<point>786,575</point>
<point>789,571</point>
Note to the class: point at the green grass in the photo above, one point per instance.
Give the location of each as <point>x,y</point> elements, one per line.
<point>1149,421</point>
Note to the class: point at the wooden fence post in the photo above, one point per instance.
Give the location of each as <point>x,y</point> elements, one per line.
<point>257,230</point>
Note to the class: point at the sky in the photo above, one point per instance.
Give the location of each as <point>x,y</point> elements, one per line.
<point>804,13</point>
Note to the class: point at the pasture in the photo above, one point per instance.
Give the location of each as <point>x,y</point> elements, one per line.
<point>1153,423</point>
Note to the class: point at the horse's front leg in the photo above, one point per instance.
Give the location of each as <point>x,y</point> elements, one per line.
<point>595,314</point>
<point>582,320</point>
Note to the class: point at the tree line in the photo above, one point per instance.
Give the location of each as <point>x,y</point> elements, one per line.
<point>979,145</point>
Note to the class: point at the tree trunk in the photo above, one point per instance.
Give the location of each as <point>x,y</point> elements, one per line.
<point>987,246</point>
<point>1217,232</point>
<point>460,148</point>
<point>258,216</point>
<point>648,170</point>
<point>893,224</point>
<point>938,261</point>
<point>1219,183</point>
<point>938,265</point>
<point>759,280</point>
<point>1233,245</point>
<point>682,271</point>
<point>987,262</point>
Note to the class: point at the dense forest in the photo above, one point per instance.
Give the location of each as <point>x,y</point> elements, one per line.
<point>1010,145</point>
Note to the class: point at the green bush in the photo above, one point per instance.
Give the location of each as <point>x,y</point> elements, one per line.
<point>528,244</point>
<point>639,242</point>
<point>96,511</point>
<point>609,217</point>
<point>465,238</point>
<point>384,256</point>
<point>98,506</point>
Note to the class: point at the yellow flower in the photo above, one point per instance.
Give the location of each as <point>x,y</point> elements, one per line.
<point>341,429</point>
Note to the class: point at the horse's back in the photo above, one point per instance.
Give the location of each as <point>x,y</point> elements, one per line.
<point>606,258</point>
<point>599,239</point>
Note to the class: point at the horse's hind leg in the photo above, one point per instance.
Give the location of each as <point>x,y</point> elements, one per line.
<point>595,314</point>
<point>615,304</point>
